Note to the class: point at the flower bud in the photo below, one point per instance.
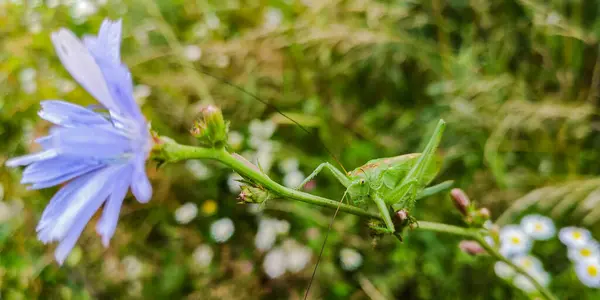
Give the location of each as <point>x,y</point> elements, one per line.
<point>211,128</point>
<point>402,216</point>
<point>471,247</point>
<point>461,200</point>
<point>485,213</point>
<point>253,194</point>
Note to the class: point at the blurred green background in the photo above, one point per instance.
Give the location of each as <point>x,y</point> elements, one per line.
<point>517,81</point>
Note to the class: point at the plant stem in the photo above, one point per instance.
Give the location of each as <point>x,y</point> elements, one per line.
<point>170,151</point>
<point>173,152</point>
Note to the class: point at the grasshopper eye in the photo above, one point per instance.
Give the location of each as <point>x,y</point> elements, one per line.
<point>362,181</point>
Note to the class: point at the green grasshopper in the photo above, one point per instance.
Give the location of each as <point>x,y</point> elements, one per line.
<point>391,183</point>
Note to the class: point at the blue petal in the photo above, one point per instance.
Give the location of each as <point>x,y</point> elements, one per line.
<point>77,59</point>
<point>57,205</point>
<point>70,115</point>
<point>140,185</point>
<point>68,242</point>
<point>55,171</point>
<point>110,215</point>
<point>31,158</point>
<point>105,49</point>
<point>108,41</point>
<point>120,85</point>
<point>92,142</point>
<point>94,190</point>
<point>63,178</point>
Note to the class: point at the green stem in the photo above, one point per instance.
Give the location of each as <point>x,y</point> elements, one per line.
<point>445,228</point>
<point>169,151</point>
<point>173,152</point>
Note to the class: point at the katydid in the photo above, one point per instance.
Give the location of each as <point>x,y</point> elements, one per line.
<point>391,183</point>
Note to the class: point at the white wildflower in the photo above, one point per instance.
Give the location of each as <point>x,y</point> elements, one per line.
<point>293,179</point>
<point>538,227</point>
<point>282,227</point>
<point>222,230</point>
<point>588,273</point>
<point>574,237</point>
<point>65,86</point>
<point>198,169</point>
<point>289,165</point>
<point>27,80</point>
<point>34,22</point>
<point>133,267</point>
<point>264,156</point>
<point>275,264</point>
<point>233,183</point>
<point>265,238</point>
<point>589,251</point>
<point>297,256</point>
<point>514,241</point>
<point>186,213</point>
<point>553,18</point>
<point>529,263</point>
<point>212,21</point>
<point>273,18</point>
<point>235,139</point>
<point>261,130</point>
<point>192,52</point>
<point>141,92</point>
<point>203,256</point>
<point>503,270</point>
<point>524,284</point>
<point>82,9</point>
<point>350,259</point>
<point>254,208</point>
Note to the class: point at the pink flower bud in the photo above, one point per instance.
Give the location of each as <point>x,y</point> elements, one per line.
<point>485,213</point>
<point>461,200</point>
<point>471,247</point>
<point>402,215</point>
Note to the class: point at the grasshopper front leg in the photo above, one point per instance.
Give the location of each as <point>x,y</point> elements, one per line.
<point>339,175</point>
<point>385,212</point>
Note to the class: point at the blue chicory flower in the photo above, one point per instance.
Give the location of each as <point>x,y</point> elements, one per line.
<point>100,155</point>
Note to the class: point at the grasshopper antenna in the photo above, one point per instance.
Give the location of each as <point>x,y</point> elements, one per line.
<point>255,97</point>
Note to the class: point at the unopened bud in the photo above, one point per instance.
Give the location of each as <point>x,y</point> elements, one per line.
<point>485,213</point>
<point>252,194</point>
<point>461,200</point>
<point>471,247</point>
<point>479,217</point>
<point>402,215</point>
<point>211,128</point>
